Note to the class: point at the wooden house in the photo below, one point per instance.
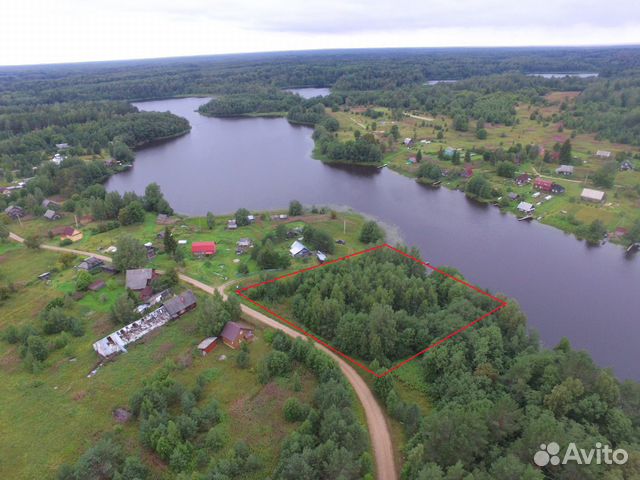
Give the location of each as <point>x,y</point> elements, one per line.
<point>234,333</point>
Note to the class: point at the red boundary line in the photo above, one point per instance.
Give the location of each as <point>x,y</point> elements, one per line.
<point>347,357</point>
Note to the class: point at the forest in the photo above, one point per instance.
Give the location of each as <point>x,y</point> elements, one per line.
<point>495,392</point>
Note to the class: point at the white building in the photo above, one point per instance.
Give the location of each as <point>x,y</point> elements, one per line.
<point>526,207</point>
<point>591,195</point>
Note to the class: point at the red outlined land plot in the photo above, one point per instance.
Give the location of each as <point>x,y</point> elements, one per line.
<point>500,304</point>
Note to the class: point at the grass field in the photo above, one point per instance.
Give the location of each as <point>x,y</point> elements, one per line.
<point>52,416</point>
<point>621,209</point>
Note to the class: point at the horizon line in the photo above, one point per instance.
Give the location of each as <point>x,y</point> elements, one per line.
<point>317,50</point>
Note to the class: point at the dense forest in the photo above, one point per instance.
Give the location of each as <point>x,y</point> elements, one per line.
<point>495,393</point>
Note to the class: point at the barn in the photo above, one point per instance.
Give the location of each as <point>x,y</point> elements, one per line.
<point>208,345</point>
<point>203,248</point>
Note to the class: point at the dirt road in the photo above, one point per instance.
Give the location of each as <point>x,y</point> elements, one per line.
<point>379,432</point>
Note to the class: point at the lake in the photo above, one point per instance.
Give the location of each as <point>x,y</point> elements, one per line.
<point>564,74</point>
<point>590,295</point>
<point>310,92</point>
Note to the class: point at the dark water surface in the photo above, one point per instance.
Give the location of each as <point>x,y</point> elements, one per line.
<point>590,295</point>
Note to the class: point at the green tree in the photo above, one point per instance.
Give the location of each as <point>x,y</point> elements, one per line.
<point>32,241</point>
<point>395,131</point>
<point>506,169</point>
<point>242,217</point>
<point>123,310</point>
<point>293,410</point>
<point>131,214</point>
<point>211,220</point>
<point>371,232</point>
<point>295,208</point>
<point>83,280</point>
<point>419,156</point>
<point>565,153</point>
<point>130,253</point>
<point>170,243</point>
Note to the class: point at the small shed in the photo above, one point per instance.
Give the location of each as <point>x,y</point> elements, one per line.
<point>298,250</point>
<point>603,154</point>
<point>565,170</point>
<point>523,179</point>
<point>90,264</point>
<point>526,207</point>
<point>208,345</point>
<point>231,224</point>
<point>139,278</point>
<point>97,285</point>
<point>322,257</point>
<point>51,215</point>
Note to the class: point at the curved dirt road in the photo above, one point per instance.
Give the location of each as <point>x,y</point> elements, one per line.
<point>376,421</point>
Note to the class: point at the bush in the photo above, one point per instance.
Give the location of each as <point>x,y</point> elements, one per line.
<point>371,232</point>
<point>294,411</point>
<point>83,280</point>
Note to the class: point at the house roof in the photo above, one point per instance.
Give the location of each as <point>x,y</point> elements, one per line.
<point>297,247</point>
<point>525,207</point>
<point>206,343</point>
<point>92,262</point>
<point>543,183</point>
<point>232,330</point>
<point>603,153</point>
<point>137,279</point>
<point>321,256</point>
<point>564,169</point>
<point>208,248</point>
<point>69,232</point>
<point>525,177</point>
<point>592,194</point>
<point>50,214</point>
<point>178,303</point>
<point>97,285</point>
<point>244,242</point>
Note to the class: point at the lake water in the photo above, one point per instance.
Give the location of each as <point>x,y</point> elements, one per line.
<point>590,295</point>
<point>310,92</point>
<point>564,74</point>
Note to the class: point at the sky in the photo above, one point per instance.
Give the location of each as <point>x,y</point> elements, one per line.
<point>55,31</point>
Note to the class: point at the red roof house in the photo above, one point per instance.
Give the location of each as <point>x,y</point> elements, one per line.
<point>203,248</point>
<point>544,185</point>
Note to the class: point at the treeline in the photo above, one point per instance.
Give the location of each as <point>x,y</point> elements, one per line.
<point>380,306</point>
<point>388,69</point>
<point>330,442</point>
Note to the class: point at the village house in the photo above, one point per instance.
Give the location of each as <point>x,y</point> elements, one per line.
<point>557,188</point>
<point>298,250</point>
<point>603,154</point>
<point>523,179</point>
<point>15,212</point>
<point>590,195</point>
<point>231,224</point>
<point>526,207</point>
<point>565,170</point>
<point>467,172</point>
<point>51,215</point>
<point>544,185</point>
<point>50,204</point>
<point>208,345</point>
<point>91,264</point>
<point>70,233</point>
<point>181,304</point>
<point>243,245</point>
<point>201,249</point>
<point>234,333</point>
<point>408,142</point>
<point>139,278</point>
<point>62,146</point>
<point>626,165</point>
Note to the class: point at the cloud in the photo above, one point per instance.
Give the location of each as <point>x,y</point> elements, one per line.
<point>34,31</point>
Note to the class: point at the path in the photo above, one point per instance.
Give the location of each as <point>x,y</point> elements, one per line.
<point>428,119</point>
<point>379,432</point>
